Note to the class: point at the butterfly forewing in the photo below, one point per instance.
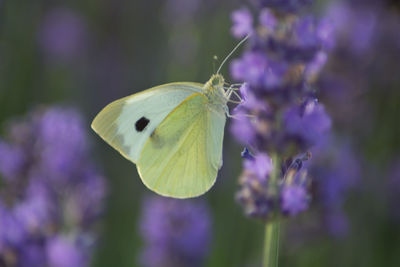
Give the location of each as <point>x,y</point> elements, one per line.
<point>126,124</point>
<point>182,156</point>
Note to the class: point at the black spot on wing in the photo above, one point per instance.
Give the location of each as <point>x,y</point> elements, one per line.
<point>141,124</point>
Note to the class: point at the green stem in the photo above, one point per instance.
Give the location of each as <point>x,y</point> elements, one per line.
<point>271,239</point>
<point>271,244</point>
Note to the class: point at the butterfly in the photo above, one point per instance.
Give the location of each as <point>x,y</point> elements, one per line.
<point>173,133</point>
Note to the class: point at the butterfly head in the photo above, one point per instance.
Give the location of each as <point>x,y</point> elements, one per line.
<point>215,91</point>
<point>217,81</point>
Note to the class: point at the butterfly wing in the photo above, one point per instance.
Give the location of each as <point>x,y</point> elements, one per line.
<point>127,123</point>
<point>182,156</point>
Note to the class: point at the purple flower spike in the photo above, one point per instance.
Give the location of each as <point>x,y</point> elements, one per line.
<point>279,69</point>
<point>242,23</point>
<point>51,188</point>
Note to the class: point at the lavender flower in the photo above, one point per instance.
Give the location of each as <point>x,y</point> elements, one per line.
<point>51,196</point>
<point>279,115</point>
<point>176,232</point>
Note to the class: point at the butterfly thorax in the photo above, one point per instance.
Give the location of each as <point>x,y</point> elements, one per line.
<point>215,92</point>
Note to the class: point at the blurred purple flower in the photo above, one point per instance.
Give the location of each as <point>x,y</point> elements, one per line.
<point>242,23</point>
<point>267,19</point>
<point>63,34</point>
<point>56,190</point>
<point>313,69</point>
<point>257,70</point>
<point>12,160</point>
<point>335,171</point>
<point>12,232</point>
<point>307,123</point>
<point>62,158</point>
<point>337,223</point>
<point>243,130</point>
<point>32,255</point>
<point>294,199</point>
<point>176,232</point>
<point>261,165</point>
<point>356,27</point>
<point>37,208</point>
<point>61,251</point>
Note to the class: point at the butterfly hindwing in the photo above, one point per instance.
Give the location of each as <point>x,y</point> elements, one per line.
<point>127,123</point>
<point>182,156</point>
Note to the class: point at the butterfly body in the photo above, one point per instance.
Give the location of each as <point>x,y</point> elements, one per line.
<point>173,133</point>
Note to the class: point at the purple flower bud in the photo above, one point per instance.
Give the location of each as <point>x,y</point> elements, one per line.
<point>242,23</point>
<point>242,129</point>
<point>314,67</point>
<point>267,19</point>
<point>307,123</point>
<point>257,70</point>
<point>294,199</point>
<point>261,165</point>
<point>246,154</point>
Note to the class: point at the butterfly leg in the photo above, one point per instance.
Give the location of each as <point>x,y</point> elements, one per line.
<point>231,90</point>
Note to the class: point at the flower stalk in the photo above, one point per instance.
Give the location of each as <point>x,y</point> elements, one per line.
<point>271,237</point>
<point>271,244</point>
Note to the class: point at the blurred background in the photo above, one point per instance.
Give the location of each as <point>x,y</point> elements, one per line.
<point>61,63</point>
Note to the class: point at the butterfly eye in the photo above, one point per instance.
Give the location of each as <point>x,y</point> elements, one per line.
<point>216,81</point>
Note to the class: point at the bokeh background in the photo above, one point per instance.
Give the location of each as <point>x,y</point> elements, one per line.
<point>85,54</point>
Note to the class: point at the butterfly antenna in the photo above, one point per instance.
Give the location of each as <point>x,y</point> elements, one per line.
<point>233,51</point>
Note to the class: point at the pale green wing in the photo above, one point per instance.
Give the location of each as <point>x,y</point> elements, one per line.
<point>182,156</point>
<point>117,123</point>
